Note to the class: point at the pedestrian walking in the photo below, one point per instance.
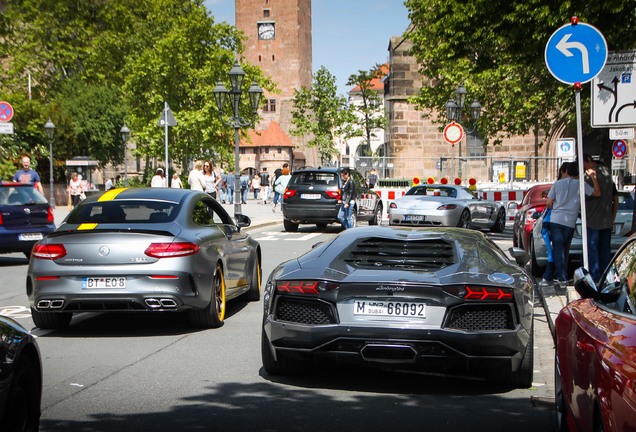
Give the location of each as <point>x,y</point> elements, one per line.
<point>158,180</point>
<point>564,201</point>
<point>27,175</point>
<point>209,179</point>
<point>280,184</point>
<point>110,183</point>
<point>348,199</point>
<point>600,215</point>
<point>176,181</point>
<point>229,186</point>
<point>74,191</point>
<point>195,177</point>
<point>264,185</point>
<point>244,182</point>
<point>256,185</point>
<point>373,179</point>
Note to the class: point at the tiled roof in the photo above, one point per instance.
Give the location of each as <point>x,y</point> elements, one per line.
<point>273,136</point>
<point>377,84</point>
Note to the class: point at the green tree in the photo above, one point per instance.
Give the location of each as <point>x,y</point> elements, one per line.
<point>496,48</point>
<point>369,113</point>
<point>320,113</point>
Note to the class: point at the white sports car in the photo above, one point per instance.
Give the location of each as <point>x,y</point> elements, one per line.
<point>446,205</point>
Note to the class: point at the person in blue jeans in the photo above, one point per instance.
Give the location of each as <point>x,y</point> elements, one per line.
<point>564,202</point>
<point>348,199</point>
<point>548,274</point>
<point>600,214</point>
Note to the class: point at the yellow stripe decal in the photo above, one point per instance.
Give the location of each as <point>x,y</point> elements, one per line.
<point>111,194</point>
<point>86,226</point>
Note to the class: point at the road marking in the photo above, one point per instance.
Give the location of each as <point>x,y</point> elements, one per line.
<point>277,235</point>
<point>15,311</point>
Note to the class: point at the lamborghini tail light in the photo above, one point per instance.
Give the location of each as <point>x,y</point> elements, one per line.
<point>305,286</point>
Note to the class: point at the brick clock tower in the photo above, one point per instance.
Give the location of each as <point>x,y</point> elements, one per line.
<point>279,42</point>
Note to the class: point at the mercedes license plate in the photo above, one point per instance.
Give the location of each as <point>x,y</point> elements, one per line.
<point>414,218</point>
<point>389,308</point>
<point>103,282</point>
<point>310,196</point>
<point>30,237</point>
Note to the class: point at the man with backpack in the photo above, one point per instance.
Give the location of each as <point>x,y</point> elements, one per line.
<point>244,182</point>
<point>264,185</point>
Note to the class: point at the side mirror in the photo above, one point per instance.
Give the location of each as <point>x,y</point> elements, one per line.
<point>243,221</point>
<point>585,286</point>
<point>520,255</point>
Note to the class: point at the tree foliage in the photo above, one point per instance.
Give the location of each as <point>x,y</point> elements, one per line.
<point>369,113</point>
<point>496,48</point>
<point>95,64</point>
<point>320,113</point>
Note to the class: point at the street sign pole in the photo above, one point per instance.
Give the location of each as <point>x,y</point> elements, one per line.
<point>579,148</point>
<point>165,118</point>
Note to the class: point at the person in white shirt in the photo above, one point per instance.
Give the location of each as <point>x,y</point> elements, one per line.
<point>157,179</point>
<point>195,178</point>
<point>176,181</point>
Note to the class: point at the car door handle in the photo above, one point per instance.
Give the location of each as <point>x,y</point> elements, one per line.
<point>584,346</point>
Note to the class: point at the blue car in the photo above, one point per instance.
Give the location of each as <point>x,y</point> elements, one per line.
<point>25,218</point>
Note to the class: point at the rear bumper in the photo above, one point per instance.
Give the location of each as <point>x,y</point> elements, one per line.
<point>311,213</point>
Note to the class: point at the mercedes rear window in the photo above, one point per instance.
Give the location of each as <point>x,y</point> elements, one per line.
<point>127,212</point>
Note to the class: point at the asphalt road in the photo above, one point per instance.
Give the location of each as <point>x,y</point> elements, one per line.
<point>155,373</point>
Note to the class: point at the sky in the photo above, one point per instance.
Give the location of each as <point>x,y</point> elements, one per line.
<point>348,35</point>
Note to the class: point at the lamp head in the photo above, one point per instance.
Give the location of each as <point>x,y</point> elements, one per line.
<point>460,95</point>
<point>50,129</point>
<point>125,132</point>
<point>451,110</point>
<point>220,95</point>
<point>236,77</point>
<point>475,110</point>
<point>255,92</point>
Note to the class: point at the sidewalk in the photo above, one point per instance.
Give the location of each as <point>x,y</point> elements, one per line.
<point>553,301</point>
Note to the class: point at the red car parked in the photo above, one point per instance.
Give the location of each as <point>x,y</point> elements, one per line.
<point>595,367</point>
<point>531,206</point>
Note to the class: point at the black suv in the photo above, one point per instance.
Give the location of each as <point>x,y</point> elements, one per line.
<point>313,197</point>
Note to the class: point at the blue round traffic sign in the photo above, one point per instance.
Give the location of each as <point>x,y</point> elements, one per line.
<point>619,149</point>
<point>6,112</point>
<point>576,53</point>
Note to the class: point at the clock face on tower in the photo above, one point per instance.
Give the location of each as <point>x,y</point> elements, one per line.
<point>266,31</point>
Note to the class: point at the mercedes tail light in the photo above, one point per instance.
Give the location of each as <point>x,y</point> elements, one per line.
<point>447,207</point>
<point>305,286</point>
<point>48,251</point>
<point>171,250</point>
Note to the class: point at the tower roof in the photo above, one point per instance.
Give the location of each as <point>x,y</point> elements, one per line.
<point>272,136</point>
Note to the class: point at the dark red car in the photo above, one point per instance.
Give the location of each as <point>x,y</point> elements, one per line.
<point>533,203</point>
<point>595,379</point>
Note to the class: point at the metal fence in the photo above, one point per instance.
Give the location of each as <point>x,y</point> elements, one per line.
<point>488,169</point>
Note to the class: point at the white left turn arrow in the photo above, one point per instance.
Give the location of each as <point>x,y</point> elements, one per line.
<point>564,46</point>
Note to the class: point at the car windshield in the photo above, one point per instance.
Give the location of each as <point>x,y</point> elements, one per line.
<point>121,211</point>
<point>314,178</point>
<point>20,195</point>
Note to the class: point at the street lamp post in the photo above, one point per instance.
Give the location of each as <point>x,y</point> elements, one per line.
<point>125,132</point>
<point>50,131</point>
<point>454,108</point>
<point>235,120</point>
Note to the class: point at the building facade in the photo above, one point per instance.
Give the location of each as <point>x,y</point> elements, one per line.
<point>279,42</point>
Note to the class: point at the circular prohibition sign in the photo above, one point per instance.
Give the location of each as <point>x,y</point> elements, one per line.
<point>6,111</point>
<point>619,149</point>
<point>453,133</point>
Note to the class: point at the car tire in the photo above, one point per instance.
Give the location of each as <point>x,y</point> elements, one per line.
<point>321,225</point>
<point>51,320</point>
<point>254,293</point>
<point>560,409</point>
<point>377,216</point>
<point>464,219</point>
<point>22,412</point>
<point>535,268</point>
<point>214,314</point>
<point>500,222</point>
<point>523,377</point>
<point>290,226</point>
<point>282,364</point>
<point>28,255</point>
